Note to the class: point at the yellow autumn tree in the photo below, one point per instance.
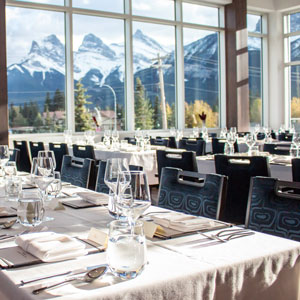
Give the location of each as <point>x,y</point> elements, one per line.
<point>295,107</point>
<point>255,111</point>
<point>193,110</point>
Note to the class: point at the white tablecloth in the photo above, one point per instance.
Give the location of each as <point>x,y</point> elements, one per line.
<point>254,267</point>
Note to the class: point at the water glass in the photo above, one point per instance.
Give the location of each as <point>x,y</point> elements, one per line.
<point>4,156</point>
<point>30,210</point>
<point>10,169</point>
<point>294,150</point>
<point>254,151</point>
<point>126,250</point>
<point>13,187</point>
<point>55,187</point>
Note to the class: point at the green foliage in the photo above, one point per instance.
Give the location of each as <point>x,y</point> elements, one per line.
<point>83,118</point>
<point>157,114</point>
<point>171,115</point>
<point>48,102</point>
<point>143,110</point>
<point>255,110</point>
<point>58,101</point>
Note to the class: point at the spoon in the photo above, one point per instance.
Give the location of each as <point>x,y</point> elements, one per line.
<point>88,277</point>
<point>8,224</point>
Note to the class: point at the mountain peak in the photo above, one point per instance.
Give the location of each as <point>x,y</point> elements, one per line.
<point>35,48</point>
<point>140,36</point>
<point>95,44</point>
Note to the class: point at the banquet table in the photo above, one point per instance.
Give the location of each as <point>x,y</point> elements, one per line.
<point>259,266</point>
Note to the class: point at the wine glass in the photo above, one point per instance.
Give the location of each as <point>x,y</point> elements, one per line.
<point>250,141</point>
<point>231,139</point>
<point>114,166</point>
<point>55,187</point>
<point>48,153</point>
<point>135,199</point>
<point>4,156</point>
<point>10,169</point>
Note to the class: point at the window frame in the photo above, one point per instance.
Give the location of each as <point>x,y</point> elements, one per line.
<point>129,18</point>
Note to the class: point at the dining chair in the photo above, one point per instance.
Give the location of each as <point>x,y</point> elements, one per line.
<point>59,149</point>
<point>83,151</point>
<point>196,145</point>
<point>172,142</point>
<point>285,136</point>
<point>35,147</point>
<point>101,186</point>
<point>279,149</point>
<point>273,208</point>
<point>76,170</point>
<point>14,155</point>
<point>218,145</point>
<point>205,195</point>
<point>24,162</point>
<point>239,170</point>
<point>131,140</point>
<point>296,169</point>
<point>159,141</point>
<point>185,160</point>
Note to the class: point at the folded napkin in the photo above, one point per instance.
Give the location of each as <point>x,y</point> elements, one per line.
<point>281,159</point>
<point>95,198</point>
<point>183,222</point>
<point>50,246</point>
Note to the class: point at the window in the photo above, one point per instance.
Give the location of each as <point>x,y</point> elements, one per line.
<point>255,54</point>
<point>112,66</point>
<point>154,75</point>
<point>99,71</point>
<point>36,70</point>
<point>292,66</point>
<point>201,77</point>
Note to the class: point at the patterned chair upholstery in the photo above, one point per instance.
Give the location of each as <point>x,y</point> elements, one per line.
<point>183,160</point>
<point>198,146</point>
<point>203,198</point>
<point>101,186</point>
<point>239,170</point>
<point>76,170</point>
<point>273,210</point>
<point>24,163</point>
<point>84,151</point>
<point>35,147</point>
<point>59,149</point>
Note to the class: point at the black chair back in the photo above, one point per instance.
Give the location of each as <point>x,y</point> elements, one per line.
<point>172,142</point>
<point>131,140</point>
<point>296,169</point>
<point>76,170</point>
<point>285,136</point>
<point>185,160</point>
<point>14,155</point>
<point>24,163</point>
<point>218,145</point>
<point>101,186</point>
<point>279,149</point>
<point>59,149</point>
<point>84,151</point>
<point>198,146</point>
<point>273,208</point>
<point>35,147</point>
<point>239,170</point>
<point>204,195</point>
<point>159,142</point>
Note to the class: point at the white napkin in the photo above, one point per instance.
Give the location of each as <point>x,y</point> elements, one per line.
<point>281,159</point>
<point>95,198</point>
<point>50,246</point>
<point>182,222</point>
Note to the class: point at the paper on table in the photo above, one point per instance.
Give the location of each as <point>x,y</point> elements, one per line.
<point>50,246</point>
<point>7,212</point>
<point>95,198</point>
<point>185,223</point>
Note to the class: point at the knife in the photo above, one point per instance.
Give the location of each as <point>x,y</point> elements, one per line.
<point>70,272</point>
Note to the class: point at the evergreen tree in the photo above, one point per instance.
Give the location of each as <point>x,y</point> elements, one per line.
<point>143,109</point>
<point>83,119</point>
<point>48,102</point>
<point>48,120</point>
<point>12,114</point>
<point>38,122</point>
<point>58,101</point>
<point>170,115</point>
<point>157,116</point>
<point>121,116</point>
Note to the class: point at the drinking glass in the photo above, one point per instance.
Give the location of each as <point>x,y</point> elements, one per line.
<point>13,187</point>
<point>126,249</point>
<point>223,132</point>
<point>231,139</point>
<point>30,210</point>
<point>250,141</point>
<point>10,169</point>
<point>134,199</point>
<point>68,136</point>
<point>48,153</point>
<point>111,178</point>
<point>4,156</point>
<point>55,187</point>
